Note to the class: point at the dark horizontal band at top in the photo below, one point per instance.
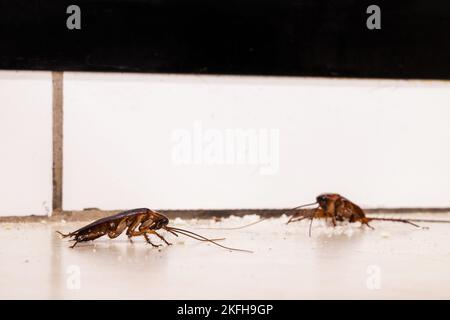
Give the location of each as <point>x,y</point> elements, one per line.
<point>245,37</point>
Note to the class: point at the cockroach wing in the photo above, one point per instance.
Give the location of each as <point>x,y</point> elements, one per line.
<point>346,208</point>
<point>113,218</point>
<point>156,215</point>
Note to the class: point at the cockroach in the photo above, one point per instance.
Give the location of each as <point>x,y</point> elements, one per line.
<point>337,208</point>
<point>136,222</point>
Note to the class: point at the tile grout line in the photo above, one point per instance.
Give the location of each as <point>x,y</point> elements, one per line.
<point>57,136</point>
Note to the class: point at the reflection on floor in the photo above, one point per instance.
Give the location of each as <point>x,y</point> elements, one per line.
<point>393,261</point>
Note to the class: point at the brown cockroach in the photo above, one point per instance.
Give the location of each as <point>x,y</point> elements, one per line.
<point>137,222</point>
<point>336,208</point>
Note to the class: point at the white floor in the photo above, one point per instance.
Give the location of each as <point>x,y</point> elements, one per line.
<point>393,261</point>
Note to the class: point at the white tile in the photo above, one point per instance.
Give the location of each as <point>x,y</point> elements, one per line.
<point>25,142</point>
<point>381,143</point>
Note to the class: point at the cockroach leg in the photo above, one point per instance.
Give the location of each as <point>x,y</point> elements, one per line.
<point>132,233</point>
<point>161,237</point>
<point>137,233</point>
<point>365,221</point>
<point>117,230</point>
<point>333,220</point>
<point>64,235</point>
<point>310,225</point>
<point>113,234</point>
<point>149,242</point>
<point>295,219</point>
<point>73,246</point>
<point>131,229</point>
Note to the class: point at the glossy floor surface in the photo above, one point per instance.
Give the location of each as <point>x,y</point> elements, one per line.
<point>347,262</point>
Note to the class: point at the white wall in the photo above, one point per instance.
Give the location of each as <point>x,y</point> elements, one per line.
<point>381,143</point>
<point>25,143</point>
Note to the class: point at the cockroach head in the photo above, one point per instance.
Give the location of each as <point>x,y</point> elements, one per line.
<point>324,198</point>
<point>162,223</point>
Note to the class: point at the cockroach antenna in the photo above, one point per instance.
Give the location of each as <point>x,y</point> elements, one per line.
<point>236,228</point>
<point>298,207</point>
<point>260,220</point>
<point>408,221</point>
<point>200,238</point>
